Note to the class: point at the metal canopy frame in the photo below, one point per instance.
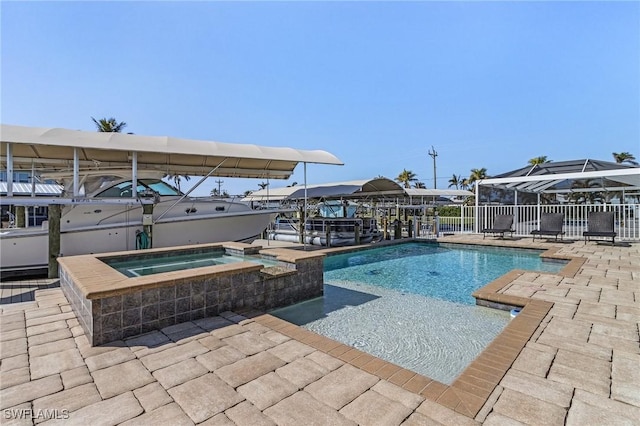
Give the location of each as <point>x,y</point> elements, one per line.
<point>351,189</point>
<point>550,177</point>
<point>557,178</point>
<point>77,152</point>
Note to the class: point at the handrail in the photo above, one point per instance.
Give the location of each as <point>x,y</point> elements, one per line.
<point>186,194</point>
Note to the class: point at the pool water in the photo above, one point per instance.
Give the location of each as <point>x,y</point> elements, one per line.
<point>411,304</point>
<point>148,266</point>
<point>440,271</point>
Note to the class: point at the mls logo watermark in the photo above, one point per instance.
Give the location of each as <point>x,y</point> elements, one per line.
<point>27,413</point>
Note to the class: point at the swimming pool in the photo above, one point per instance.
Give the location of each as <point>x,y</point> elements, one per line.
<point>411,304</point>
<point>442,271</point>
<point>136,267</point>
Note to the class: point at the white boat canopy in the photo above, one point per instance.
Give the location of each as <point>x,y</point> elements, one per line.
<point>378,187</point>
<point>54,149</point>
<point>352,189</point>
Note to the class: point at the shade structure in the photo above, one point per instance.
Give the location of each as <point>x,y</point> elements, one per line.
<point>352,189</point>
<point>53,149</point>
<point>562,176</point>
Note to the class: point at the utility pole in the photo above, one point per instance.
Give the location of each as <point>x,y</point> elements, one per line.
<point>434,154</point>
<point>219,182</point>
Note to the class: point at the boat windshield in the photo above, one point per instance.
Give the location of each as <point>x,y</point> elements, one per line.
<point>123,189</point>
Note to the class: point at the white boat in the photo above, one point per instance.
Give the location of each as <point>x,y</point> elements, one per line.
<point>336,225</point>
<point>98,225</point>
<point>341,231</point>
<point>105,217</point>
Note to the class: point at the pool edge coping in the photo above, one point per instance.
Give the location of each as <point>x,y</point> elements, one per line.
<point>472,389</point>
<point>96,279</point>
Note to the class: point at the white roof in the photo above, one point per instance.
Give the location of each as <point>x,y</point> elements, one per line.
<point>25,189</point>
<point>52,149</point>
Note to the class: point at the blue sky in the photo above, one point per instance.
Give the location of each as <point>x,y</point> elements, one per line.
<point>487,84</point>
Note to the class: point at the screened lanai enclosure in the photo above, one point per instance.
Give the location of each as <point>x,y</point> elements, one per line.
<point>573,188</point>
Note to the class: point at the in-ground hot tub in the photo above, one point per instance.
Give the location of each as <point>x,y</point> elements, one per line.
<point>141,265</point>
<point>112,304</point>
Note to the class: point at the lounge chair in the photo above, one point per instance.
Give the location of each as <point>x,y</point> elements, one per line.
<point>600,224</point>
<point>550,225</point>
<point>501,225</point>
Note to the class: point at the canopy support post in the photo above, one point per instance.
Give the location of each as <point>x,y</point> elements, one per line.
<point>515,208</point>
<point>76,172</point>
<point>538,210</point>
<point>9,169</point>
<point>134,175</point>
<point>304,212</point>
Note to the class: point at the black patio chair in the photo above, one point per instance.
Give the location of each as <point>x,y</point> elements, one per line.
<point>501,225</point>
<point>550,225</point>
<point>600,224</point>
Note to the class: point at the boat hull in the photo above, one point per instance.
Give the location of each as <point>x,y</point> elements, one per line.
<point>27,250</point>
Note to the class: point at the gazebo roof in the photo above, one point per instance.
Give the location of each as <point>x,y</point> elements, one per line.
<point>560,177</point>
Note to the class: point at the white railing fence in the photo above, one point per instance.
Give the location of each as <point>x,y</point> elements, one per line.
<point>526,219</point>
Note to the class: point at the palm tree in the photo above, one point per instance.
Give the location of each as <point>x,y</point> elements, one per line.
<point>476,175</point>
<point>625,157</point>
<point>109,125</point>
<point>455,181</point>
<point>263,185</point>
<point>586,197</point>
<point>177,179</point>
<point>539,160</point>
<point>465,184</point>
<point>215,192</point>
<point>406,177</point>
<point>420,185</point>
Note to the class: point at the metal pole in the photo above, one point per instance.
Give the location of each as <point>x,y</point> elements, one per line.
<point>434,154</point>
<point>476,225</point>
<point>304,222</point>
<point>76,172</point>
<point>9,170</point>
<point>186,194</point>
<point>33,180</point>
<point>515,209</point>
<point>134,175</point>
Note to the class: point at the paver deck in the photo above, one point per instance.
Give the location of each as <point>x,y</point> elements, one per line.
<point>573,357</point>
<point>24,290</point>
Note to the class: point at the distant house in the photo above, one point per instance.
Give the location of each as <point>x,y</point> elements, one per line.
<point>22,187</point>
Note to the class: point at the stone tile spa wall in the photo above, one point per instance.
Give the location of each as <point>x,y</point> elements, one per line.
<point>110,306</point>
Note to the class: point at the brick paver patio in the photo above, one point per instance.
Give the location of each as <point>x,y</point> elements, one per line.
<point>579,366</point>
